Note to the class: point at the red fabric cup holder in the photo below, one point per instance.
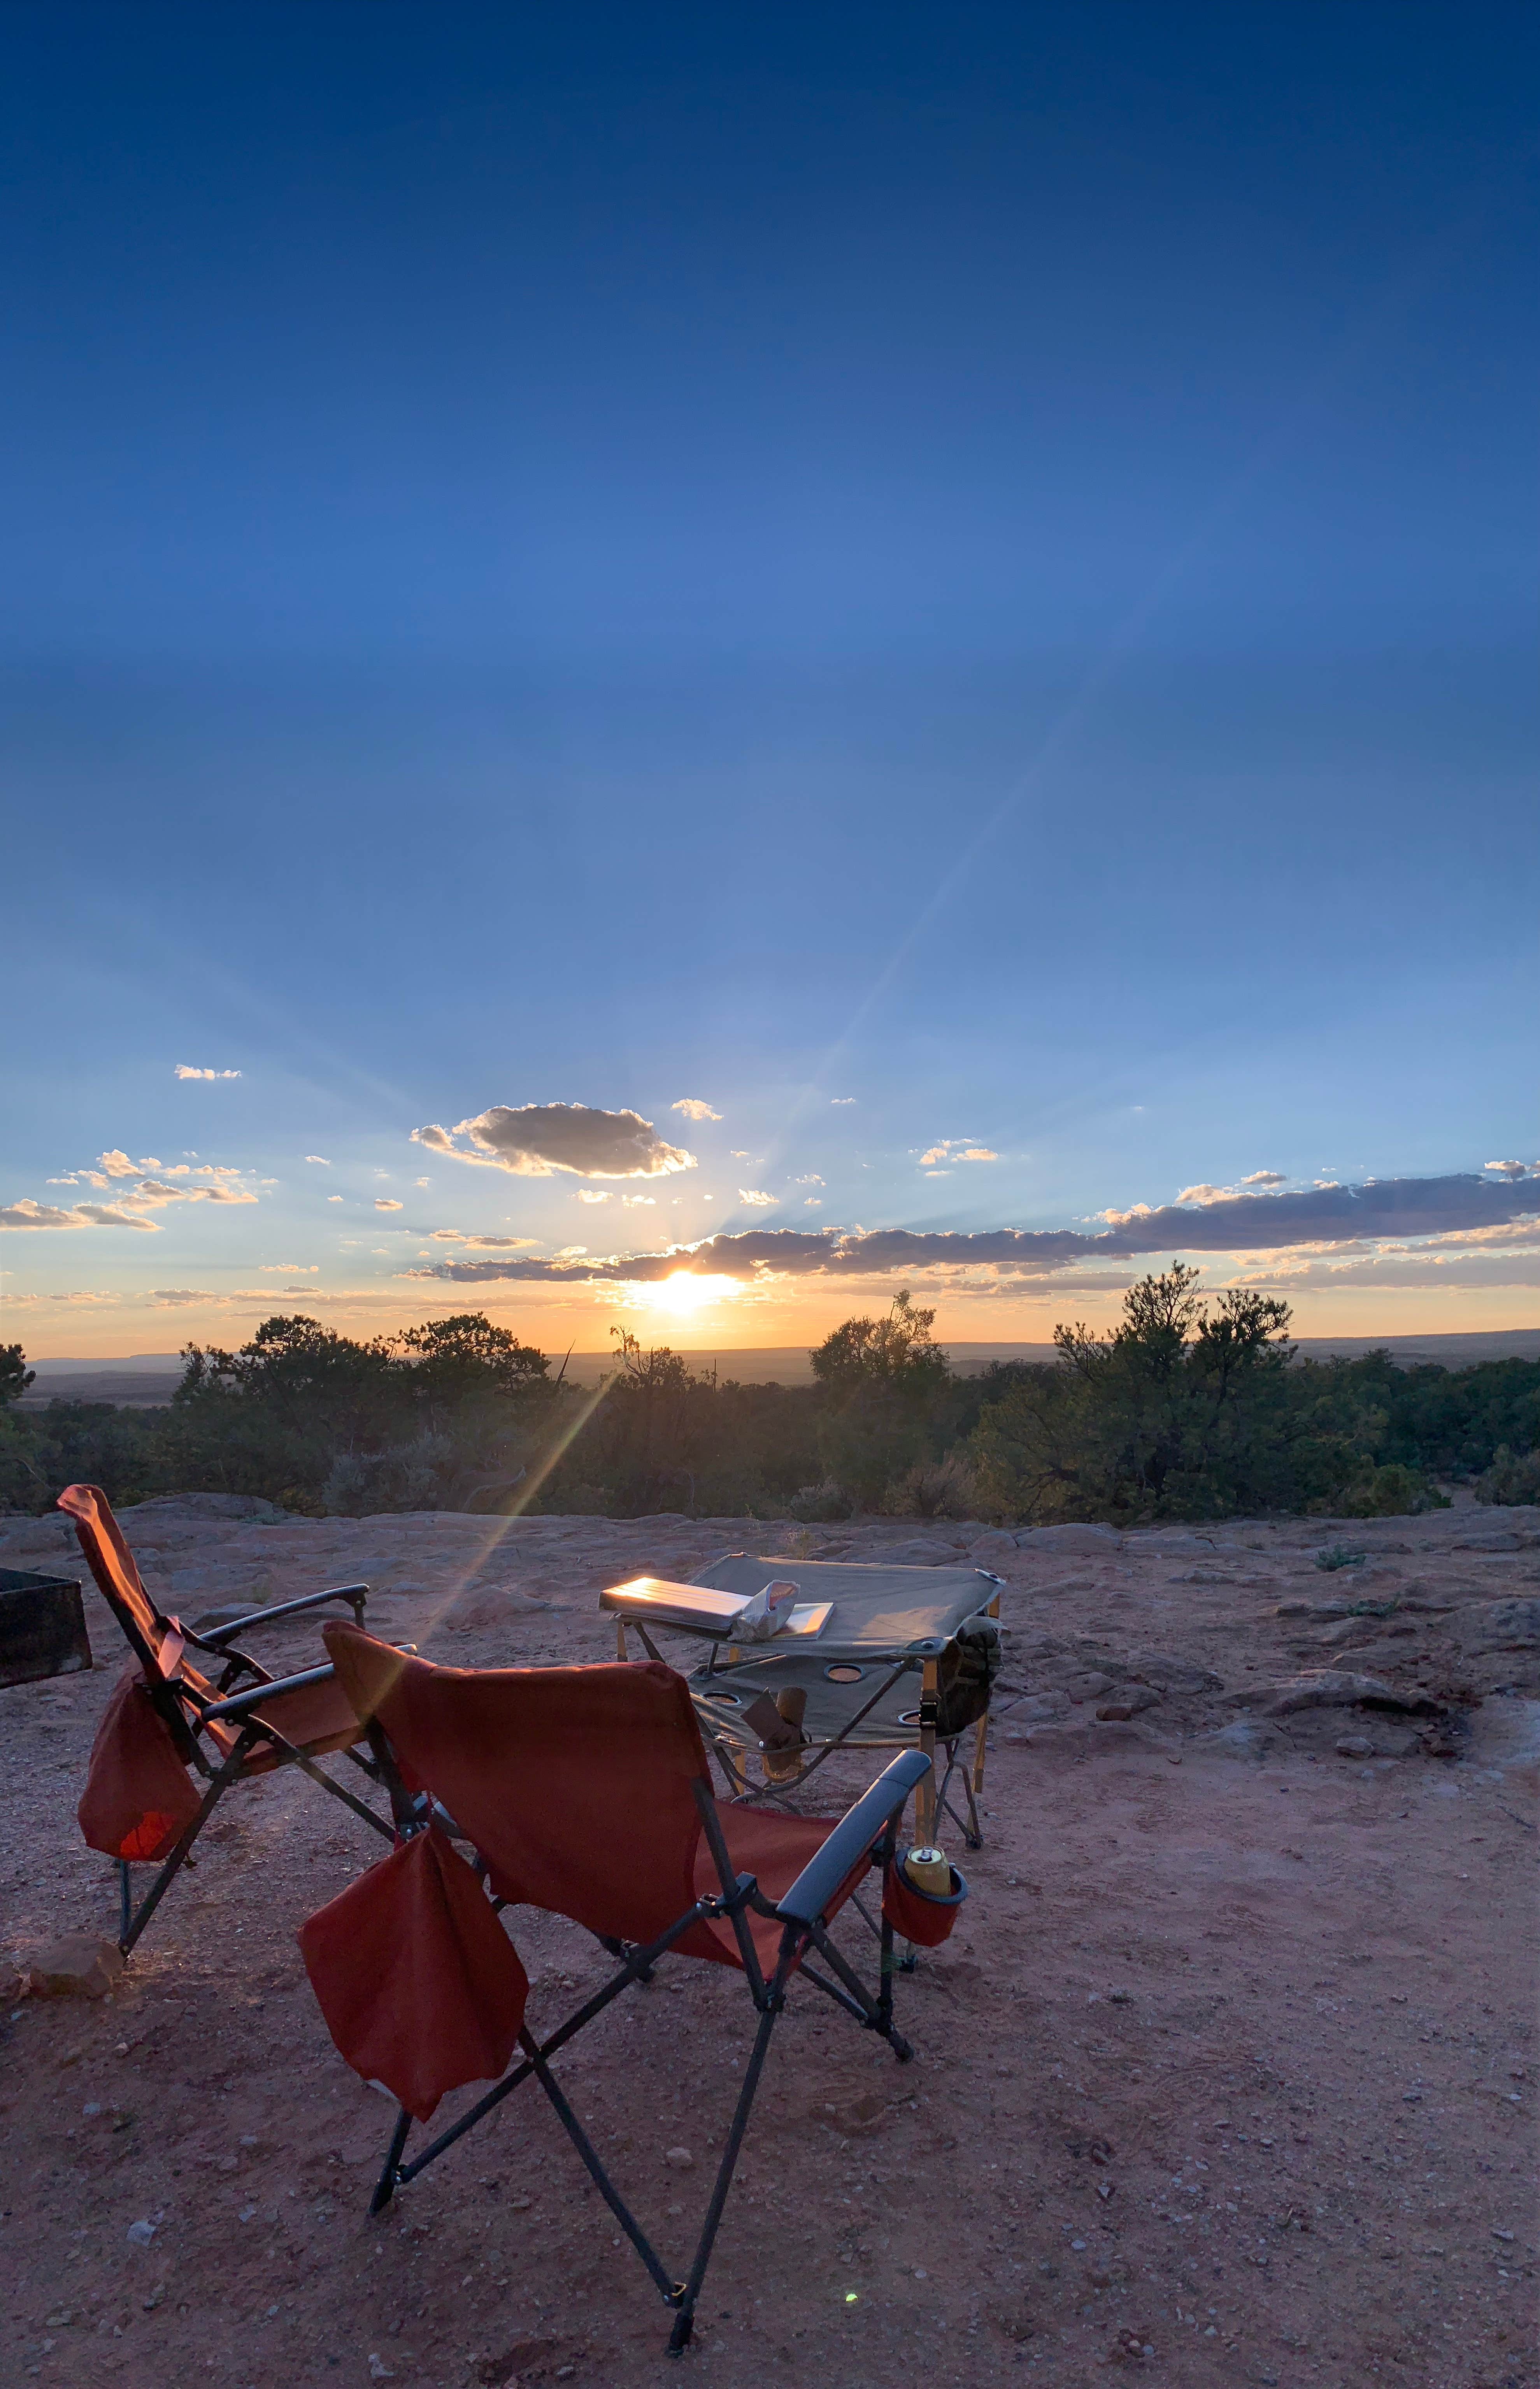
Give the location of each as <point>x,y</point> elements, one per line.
<point>921,1916</point>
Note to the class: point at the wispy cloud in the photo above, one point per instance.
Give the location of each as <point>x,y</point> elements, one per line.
<point>694,1109</point>
<point>188,1070</point>
<point>80,1298</point>
<point>320,1160</point>
<point>385,1203</point>
<point>481,1244</point>
<point>533,1140</point>
<point>754,1198</point>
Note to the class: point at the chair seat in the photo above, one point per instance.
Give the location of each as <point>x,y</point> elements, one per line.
<point>319,1717</point>
<point>774,1847</point>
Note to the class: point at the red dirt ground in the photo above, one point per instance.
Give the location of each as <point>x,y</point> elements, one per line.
<point>1228,2075</point>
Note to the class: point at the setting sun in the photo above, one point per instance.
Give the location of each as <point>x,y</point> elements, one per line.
<point>682,1295</point>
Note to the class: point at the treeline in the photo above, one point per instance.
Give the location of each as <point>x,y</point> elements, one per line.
<point>1184,1410</point>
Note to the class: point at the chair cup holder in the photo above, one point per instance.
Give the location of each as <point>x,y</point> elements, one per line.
<point>922,1917</point>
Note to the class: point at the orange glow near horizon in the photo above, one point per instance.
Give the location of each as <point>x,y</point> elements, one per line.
<point>701,1314</point>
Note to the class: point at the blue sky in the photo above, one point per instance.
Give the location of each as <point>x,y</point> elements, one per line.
<point>932,581</point>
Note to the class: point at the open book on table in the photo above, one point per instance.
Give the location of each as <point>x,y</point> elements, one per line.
<point>652,1599</point>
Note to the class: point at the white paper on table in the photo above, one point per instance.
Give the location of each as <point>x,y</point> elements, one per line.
<point>769,1610</point>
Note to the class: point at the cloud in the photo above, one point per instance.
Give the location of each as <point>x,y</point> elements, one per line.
<point>754,1199</point>
<point>187,1070</point>
<point>813,1202</point>
<point>320,1160</point>
<point>1201,1194</point>
<point>533,1140</point>
<point>1402,1272</point>
<point>1337,1216</point>
<point>117,1165</point>
<point>384,1203</point>
<point>173,1298</point>
<point>290,1269</point>
<point>692,1108</point>
<point>1511,1168</point>
<point>590,1195</point>
<point>82,1298</point>
<point>956,1148</point>
<point>812,1179</point>
<point>842,1099</point>
<point>481,1244</point>
<point>333,1198</point>
<point>1265,1178</point>
<point>28,1214</point>
<point>153,1193</point>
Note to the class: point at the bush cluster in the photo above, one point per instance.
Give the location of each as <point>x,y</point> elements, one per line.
<point>1184,1410</point>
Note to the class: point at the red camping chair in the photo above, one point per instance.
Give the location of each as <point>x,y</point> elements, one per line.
<point>165,1717</point>
<point>585,1792</point>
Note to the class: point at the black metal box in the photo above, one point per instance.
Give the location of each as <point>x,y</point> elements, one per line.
<point>42,1627</point>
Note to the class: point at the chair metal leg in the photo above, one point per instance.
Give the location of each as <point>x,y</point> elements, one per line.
<point>685,2321</point>
<point>385,2189</point>
<point>602,2182</point>
<point>173,1866</point>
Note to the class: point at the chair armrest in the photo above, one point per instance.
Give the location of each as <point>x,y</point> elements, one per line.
<point>354,1594</point>
<point>241,1705</point>
<point>852,1839</point>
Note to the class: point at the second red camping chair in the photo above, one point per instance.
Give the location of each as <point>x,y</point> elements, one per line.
<point>585,1792</point>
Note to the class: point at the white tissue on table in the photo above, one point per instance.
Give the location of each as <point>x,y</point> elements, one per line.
<point>769,1610</point>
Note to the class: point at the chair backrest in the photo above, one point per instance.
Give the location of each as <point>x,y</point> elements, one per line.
<point>112,1563</point>
<point>576,1784</point>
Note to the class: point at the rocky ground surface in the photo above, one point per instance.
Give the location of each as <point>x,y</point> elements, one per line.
<point>1228,2075</point>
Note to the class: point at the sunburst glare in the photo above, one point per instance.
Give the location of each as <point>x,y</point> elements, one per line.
<point>684,1295</point>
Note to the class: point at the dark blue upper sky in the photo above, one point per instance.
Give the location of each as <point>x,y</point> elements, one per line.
<point>977,560</point>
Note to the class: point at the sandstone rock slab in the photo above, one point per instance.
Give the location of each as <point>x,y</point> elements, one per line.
<point>76,1966</point>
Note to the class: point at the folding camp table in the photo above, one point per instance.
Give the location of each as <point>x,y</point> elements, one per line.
<point>878,1672</point>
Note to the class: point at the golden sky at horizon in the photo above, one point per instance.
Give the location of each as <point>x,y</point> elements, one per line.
<point>761,1318</point>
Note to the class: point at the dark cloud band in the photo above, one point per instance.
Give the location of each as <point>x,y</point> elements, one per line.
<point>1330,1216</point>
